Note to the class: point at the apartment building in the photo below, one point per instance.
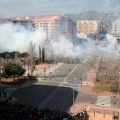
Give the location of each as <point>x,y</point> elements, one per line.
<point>115,29</point>
<point>88,26</point>
<point>55,26</point>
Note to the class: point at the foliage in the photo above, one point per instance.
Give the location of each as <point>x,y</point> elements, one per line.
<point>100,87</point>
<point>43,55</point>
<point>11,55</point>
<point>12,69</point>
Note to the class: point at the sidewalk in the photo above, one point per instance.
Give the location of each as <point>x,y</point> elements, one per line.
<point>47,70</point>
<point>41,71</point>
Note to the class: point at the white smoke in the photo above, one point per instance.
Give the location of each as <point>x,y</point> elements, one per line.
<point>17,38</point>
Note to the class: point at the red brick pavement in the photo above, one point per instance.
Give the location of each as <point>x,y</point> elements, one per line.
<point>77,108</point>
<point>91,76</point>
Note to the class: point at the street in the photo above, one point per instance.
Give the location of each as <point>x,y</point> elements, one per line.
<point>59,91</point>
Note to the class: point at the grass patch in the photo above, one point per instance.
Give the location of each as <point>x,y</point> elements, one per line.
<point>101,87</point>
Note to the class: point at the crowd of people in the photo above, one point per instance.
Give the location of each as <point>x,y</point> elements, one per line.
<point>15,111</point>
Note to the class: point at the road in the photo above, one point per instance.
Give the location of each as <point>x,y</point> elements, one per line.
<point>56,92</point>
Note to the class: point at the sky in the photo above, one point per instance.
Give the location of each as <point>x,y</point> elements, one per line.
<point>21,8</point>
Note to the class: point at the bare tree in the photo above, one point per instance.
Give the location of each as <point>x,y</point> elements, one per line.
<point>43,55</point>
<point>31,50</point>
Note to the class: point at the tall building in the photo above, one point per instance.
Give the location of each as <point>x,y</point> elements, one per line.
<point>88,26</point>
<point>56,26</point>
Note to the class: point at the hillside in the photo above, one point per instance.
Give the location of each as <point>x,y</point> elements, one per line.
<point>90,15</point>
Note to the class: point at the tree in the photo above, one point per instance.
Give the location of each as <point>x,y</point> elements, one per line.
<point>43,55</point>
<point>23,57</point>
<point>14,70</point>
<point>40,59</point>
<point>31,50</point>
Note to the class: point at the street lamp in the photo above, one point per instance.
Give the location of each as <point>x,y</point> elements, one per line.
<point>72,96</point>
<point>73,99</point>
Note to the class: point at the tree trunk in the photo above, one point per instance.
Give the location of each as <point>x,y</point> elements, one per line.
<point>14,78</point>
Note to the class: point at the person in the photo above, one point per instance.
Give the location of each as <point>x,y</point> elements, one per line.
<point>69,69</point>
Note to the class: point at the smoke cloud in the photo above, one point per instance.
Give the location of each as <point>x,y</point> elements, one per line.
<point>17,38</point>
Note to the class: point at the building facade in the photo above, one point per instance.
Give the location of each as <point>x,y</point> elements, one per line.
<point>55,26</point>
<point>115,29</point>
<point>26,23</point>
<point>88,26</point>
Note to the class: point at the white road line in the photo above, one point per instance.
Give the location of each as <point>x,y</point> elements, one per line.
<point>69,74</point>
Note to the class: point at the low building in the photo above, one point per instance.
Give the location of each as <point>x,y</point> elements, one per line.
<point>102,113</point>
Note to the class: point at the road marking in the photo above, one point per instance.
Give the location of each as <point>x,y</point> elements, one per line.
<point>69,74</point>
<point>103,101</point>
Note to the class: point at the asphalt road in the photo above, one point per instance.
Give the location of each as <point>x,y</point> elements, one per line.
<point>59,91</point>
<point>53,97</point>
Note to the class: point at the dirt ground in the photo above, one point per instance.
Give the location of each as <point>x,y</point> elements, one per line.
<point>18,81</point>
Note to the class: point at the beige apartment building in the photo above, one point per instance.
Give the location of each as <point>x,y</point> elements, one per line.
<point>88,26</point>
<point>56,26</point>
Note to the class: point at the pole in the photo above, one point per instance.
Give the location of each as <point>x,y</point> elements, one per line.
<point>73,97</point>
<point>119,91</point>
<point>73,100</point>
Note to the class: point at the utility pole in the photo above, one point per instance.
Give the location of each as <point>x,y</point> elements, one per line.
<point>73,100</point>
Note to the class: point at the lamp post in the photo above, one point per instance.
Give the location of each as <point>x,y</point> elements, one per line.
<point>72,96</point>
<point>73,99</point>
<point>119,90</point>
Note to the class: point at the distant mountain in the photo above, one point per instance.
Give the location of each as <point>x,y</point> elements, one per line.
<point>90,15</point>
